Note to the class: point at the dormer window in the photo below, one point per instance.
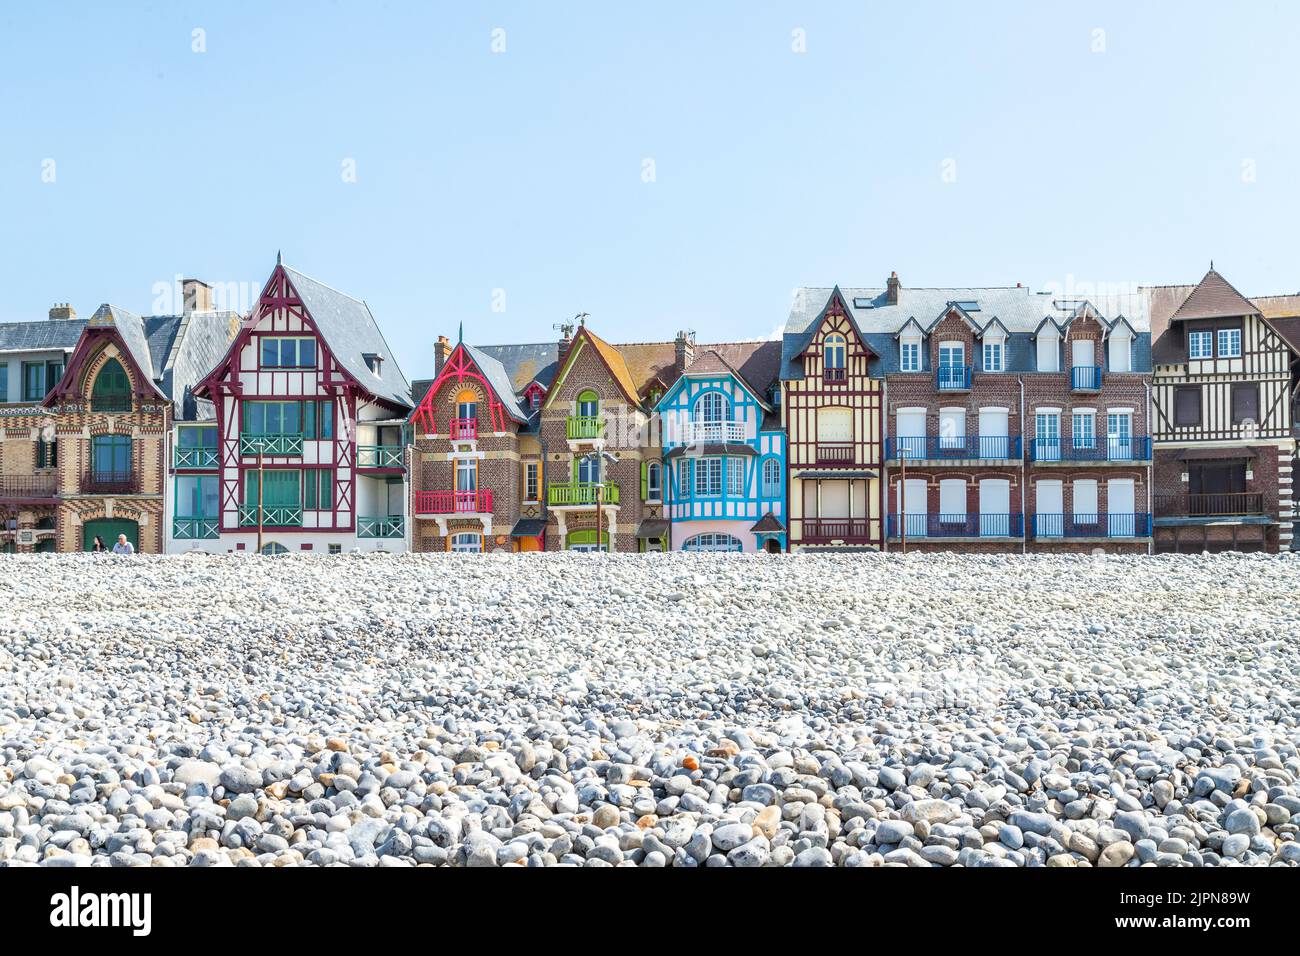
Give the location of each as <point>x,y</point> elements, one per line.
<point>1049,353</point>
<point>375,363</point>
<point>909,354</point>
<point>993,354</point>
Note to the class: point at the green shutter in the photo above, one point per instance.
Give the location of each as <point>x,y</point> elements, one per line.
<point>645,465</point>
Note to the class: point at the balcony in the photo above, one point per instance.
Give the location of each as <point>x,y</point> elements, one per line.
<point>379,456</point>
<point>29,486</point>
<point>1052,450</point>
<point>273,516</point>
<point>110,403</point>
<point>284,445</point>
<point>834,376</point>
<point>463,429</point>
<point>838,453</point>
<point>952,378</point>
<point>958,525</point>
<point>453,502</point>
<point>110,483</point>
<point>196,529</point>
<point>957,448</point>
<point>713,432</point>
<point>584,427</point>
<point>194,458</point>
<point>388,526</point>
<point>580,495</point>
<point>1092,525</point>
<point>826,530</point>
<point>1211,505</point>
<point>1085,378</point>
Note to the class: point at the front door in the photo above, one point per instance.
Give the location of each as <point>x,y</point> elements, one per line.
<point>107,530</point>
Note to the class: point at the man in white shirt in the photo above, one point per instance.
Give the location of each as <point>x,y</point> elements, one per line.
<point>123,546</point>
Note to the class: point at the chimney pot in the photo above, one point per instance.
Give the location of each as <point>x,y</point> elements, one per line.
<point>441,352</point>
<point>196,296</point>
<point>891,288</point>
<point>62,310</point>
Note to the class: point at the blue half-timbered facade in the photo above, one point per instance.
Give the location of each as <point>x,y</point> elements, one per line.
<point>724,464</point>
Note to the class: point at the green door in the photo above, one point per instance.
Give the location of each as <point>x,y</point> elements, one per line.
<point>108,530</point>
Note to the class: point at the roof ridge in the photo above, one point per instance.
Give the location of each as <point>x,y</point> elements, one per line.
<point>319,282</point>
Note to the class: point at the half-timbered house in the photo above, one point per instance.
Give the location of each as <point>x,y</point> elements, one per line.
<point>309,408</point>
<point>1222,421</point>
<point>724,451</point>
<point>831,411</point>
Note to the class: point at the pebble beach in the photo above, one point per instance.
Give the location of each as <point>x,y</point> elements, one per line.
<point>660,710</point>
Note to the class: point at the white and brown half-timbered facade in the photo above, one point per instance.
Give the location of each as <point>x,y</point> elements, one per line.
<point>1221,422</point>
<point>309,406</point>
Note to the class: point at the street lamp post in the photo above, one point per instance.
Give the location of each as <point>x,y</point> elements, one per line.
<point>601,457</point>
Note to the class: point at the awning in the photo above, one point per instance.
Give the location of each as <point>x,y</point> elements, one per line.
<point>528,528</point>
<point>768,524</point>
<point>720,448</point>
<point>1219,454</point>
<point>834,474</point>
<point>652,528</point>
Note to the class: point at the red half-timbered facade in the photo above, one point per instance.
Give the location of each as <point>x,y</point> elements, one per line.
<point>309,408</point>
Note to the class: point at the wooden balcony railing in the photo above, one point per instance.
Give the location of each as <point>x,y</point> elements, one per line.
<point>582,427</point>
<point>283,445</point>
<point>189,458</point>
<point>581,494</point>
<point>379,456</point>
<point>834,376</point>
<point>29,486</point>
<point>453,502</point>
<point>705,432</point>
<point>388,526</point>
<point>273,516</point>
<point>463,429</point>
<point>196,529</point>
<point>1101,525</point>
<point>95,482</point>
<point>838,453</point>
<point>1210,505</point>
<point>848,530</point>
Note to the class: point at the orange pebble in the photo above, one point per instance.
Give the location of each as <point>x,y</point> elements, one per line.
<point>690,763</point>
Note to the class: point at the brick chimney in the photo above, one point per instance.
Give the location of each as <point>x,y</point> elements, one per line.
<point>441,352</point>
<point>61,310</point>
<point>891,288</point>
<point>196,296</point>
<point>684,350</point>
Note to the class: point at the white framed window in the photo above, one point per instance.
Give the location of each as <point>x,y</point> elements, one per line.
<point>771,478</point>
<point>467,543</point>
<point>835,351</point>
<point>712,407</point>
<point>909,358</point>
<point>1121,353</point>
<point>531,484</point>
<point>708,477</point>
<point>713,542</point>
<point>735,477</point>
<point>1049,353</point>
<point>993,355</point>
<point>952,354</point>
<point>466,474</point>
<point>1082,431</point>
<point>654,480</point>
<point>1119,436</point>
<point>684,477</point>
<point>1229,343</point>
<point>1200,345</point>
<point>1047,436</point>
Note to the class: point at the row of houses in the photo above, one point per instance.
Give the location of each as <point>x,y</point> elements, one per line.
<point>889,418</point>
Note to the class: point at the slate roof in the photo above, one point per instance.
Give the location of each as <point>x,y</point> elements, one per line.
<point>350,331</point>
<point>45,335</point>
<point>527,363</point>
<point>1016,309</point>
<point>500,381</point>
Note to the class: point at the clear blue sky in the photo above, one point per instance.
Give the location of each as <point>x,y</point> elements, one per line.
<point>523,170</point>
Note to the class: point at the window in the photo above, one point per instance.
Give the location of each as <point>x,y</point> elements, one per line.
<point>110,455</point>
<point>1119,435</point>
<point>375,363</point>
<point>466,474</point>
<point>952,355</point>
<point>335,548</point>
<point>735,477</point>
<point>712,407</point>
<point>1245,403</point>
<point>531,483</point>
<point>1200,345</point>
<point>288,353</point>
<point>588,404</point>
<point>834,351</point>
<point>274,548</point>
<point>1187,405</point>
<point>684,477</point>
<point>713,542</point>
<point>281,488</point>
<point>771,478</point>
<point>325,419</point>
<point>1229,343</point>
<point>708,477</point>
<point>4,381</point>
<point>318,489</point>
<point>1121,353</point>
<point>589,470</point>
<point>39,378</point>
<point>467,405</point>
<point>47,453</point>
<point>1049,353</point>
<point>273,418</point>
<point>952,499</point>
<point>586,541</point>
<point>910,356</point>
<point>952,427</point>
<point>993,356</point>
<point>1047,436</point>
<point>196,496</point>
<point>1082,430</point>
<point>190,436</point>
<point>654,480</point>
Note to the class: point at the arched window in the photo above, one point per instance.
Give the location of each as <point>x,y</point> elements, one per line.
<point>654,481</point>
<point>467,543</point>
<point>771,478</point>
<point>274,548</point>
<point>467,404</point>
<point>712,407</point>
<point>588,404</point>
<point>112,390</point>
<point>834,351</point>
<point>713,542</point>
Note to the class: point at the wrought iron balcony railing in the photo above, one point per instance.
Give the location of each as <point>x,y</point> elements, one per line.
<point>29,486</point>
<point>95,482</point>
<point>379,456</point>
<point>191,458</point>
<point>957,525</point>
<point>453,502</point>
<point>581,494</point>
<point>273,516</point>
<point>1102,525</point>
<point>1211,505</point>
<point>283,445</point>
<point>1097,449</point>
<point>388,526</point>
<point>952,378</point>
<point>196,529</point>
<point>110,403</point>
<point>938,447</point>
<point>1085,378</point>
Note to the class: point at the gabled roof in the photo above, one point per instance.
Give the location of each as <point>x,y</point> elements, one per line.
<point>950,308</point>
<point>350,333</point>
<point>911,323</point>
<point>711,362</point>
<point>1051,324</point>
<point>499,380</point>
<point>1214,298</point>
<point>994,324</point>
<point>610,357</point>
